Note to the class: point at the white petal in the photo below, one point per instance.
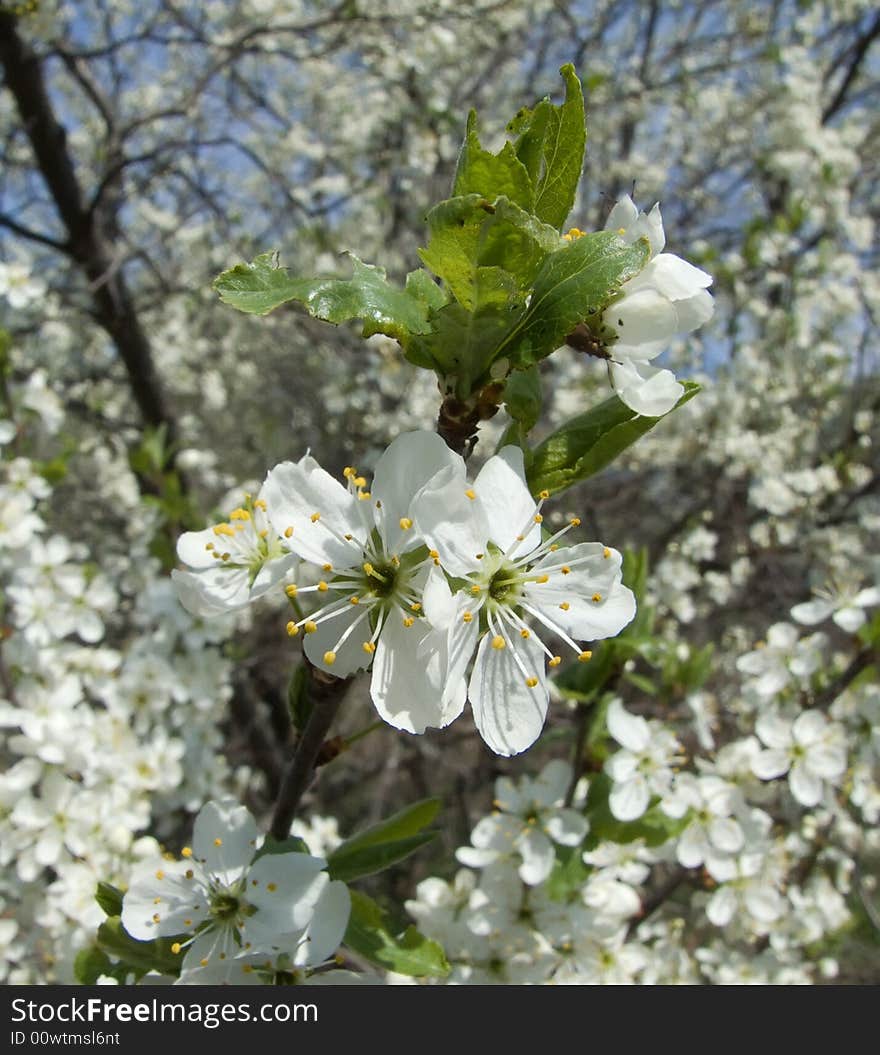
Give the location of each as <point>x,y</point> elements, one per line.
<point>642,316</point>
<point>623,215</point>
<point>805,786</point>
<point>407,465</point>
<point>726,835</point>
<point>508,714</point>
<point>629,800</point>
<point>537,856</point>
<point>350,656</point>
<point>181,905</point>
<point>213,592</point>
<point>827,761</point>
<point>694,311</point>
<point>225,839</point>
<point>763,902</point>
<point>629,730</point>
<point>849,619</point>
<point>774,730</point>
<point>650,392</point>
<point>811,612</point>
<point>327,926</point>
<point>192,548</point>
<point>450,522</point>
<point>587,619</point>
<point>809,728</point>
<point>551,784</point>
<point>284,889</point>
<point>566,827</point>
<point>721,906</point>
<point>294,492</point>
<point>673,277</point>
<point>691,847</point>
<point>507,502</point>
<point>767,765</point>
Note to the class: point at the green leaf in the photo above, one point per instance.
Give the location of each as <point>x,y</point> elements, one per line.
<point>90,964</point>
<point>273,847</point>
<point>422,286</point>
<point>409,953</point>
<point>653,826</point>
<point>109,898</point>
<point>139,956</point>
<point>562,153</point>
<point>260,287</point>
<point>523,398</point>
<point>469,234</point>
<point>574,283</point>
<point>367,860</point>
<point>568,875</point>
<point>491,175</point>
<point>530,128</point>
<point>590,442</point>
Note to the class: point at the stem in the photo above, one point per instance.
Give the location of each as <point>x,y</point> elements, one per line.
<point>353,739</point>
<point>326,693</point>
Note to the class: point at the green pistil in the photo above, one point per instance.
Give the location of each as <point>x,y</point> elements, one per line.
<point>501,589</point>
<point>225,906</point>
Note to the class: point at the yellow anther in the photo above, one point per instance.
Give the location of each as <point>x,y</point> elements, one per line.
<point>188,922</point>
<point>157,900</point>
<point>354,600</point>
<point>408,621</point>
<point>186,852</point>
<point>525,634</point>
<point>209,545</point>
<point>531,682</point>
<point>476,588</point>
<point>310,627</point>
<point>368,647</point>
<point>218,841</point>
<point>292,629</point>
<point>471,493</point>
<point>156,917</point>
<point>348,538</point>
<point>555,661</point>
<point>225,556</point>
<point>329,658</point>
<point>395,560</point>
<point>538,518</point>
<point>315,517</point>
<point>288,531</point>
<point>480,556</point>
<point>363,494</point>
<point>405,523</point>
<point>544,495</point>
<point>415,607</point>
<point>176,947</point>
<point>606,553</point>
<point>520,538</point>
<point>621,231</point>
<point>239,514</point>
<point>575,521</point>
<point>224,529</point>
<point>573,234</point>
<point>433,554</point>
<point>542,579</point>
<point>160,874</point>
<point>368,568</point>
<point>188,874</point>
<point>585,657</point>
<point>349,471</point>
<point>597,597</point>
<point>323,587</point>
<point>554,546</point>
<point>326,567</point>
<point>565,569</point>
<point>264,533</point>
<point>203,962</point>
<point>291,590</point>
<point>498,642</point>
<point>565,606</point>
<point>360,481</point>
<point>467,617</point>
<point>260,504</point>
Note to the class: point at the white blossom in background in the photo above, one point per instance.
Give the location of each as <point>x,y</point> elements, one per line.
<point>809,749</point>
<point>666,298</point>
<point>517,593</point>
<point>785,657</point>
<point>530,817</point>
<point>713,834</point>
<point>230,909</point>
<point>645,766</point>
<point>845,604</point>
<point>371,557</point>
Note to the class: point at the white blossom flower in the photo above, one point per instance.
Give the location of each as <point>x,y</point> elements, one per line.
<point>644,767</point>
<point>810,749</point>
<point>782,658</point>
<point>374,564</point>
<point>529,819</point>
<point>844,603</point>
<point>233,907</point>
<point>231,563</point>
<point>487,536</point>
<point>667,297</point>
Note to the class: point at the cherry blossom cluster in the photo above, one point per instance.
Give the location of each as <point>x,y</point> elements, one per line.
<point>421,572</point>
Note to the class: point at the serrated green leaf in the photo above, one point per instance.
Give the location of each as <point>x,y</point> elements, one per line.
<point>470,234</point>
<point>109,898</point>
<point>530,128</point>
<point>139,956</point>
<point>409,821</point>
<point>654,826</point>
<point>423,287</point>
<point>263,285</point>
<point>590,442</point>
<point>562,151</point>
<point>523,397</point>
<point>573,284</point>
<point>368,860</point>
<point>409,953</point>
<point>491,175</point>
